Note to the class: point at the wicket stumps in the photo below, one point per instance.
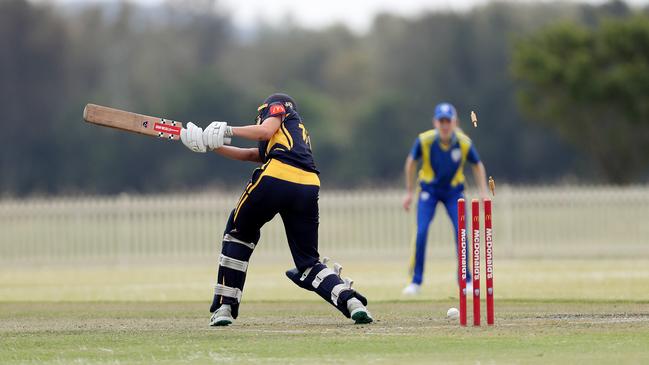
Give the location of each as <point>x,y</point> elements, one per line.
<point>462,269</point>
<point>475,254</point>
<point>475,251</point>
<point>488,243</point>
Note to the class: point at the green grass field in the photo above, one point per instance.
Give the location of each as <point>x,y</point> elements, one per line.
<point>559,311</point>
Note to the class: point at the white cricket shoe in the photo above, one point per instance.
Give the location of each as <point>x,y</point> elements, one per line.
<point>222,316</point>
<point>359,312</point>
<point>469,289</point>
<point>411,289</point>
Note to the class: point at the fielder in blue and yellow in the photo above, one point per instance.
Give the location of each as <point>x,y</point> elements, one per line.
<point>443,152</point>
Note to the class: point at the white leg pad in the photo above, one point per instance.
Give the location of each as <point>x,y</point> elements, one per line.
<point>306,273</point>
<point>227,291</point>
<point>229,238</point>
<point>321,276</point>
<point>349,282</point>
<point>234,264</point>
<point>335,292</point>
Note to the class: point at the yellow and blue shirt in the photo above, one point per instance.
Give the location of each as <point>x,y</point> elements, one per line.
<point>442,165</point>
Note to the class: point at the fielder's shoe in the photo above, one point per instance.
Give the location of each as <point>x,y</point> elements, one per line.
<point>359,313</point>
<point>222,316</point>
<point>411,289</point>
<point>469,289</point>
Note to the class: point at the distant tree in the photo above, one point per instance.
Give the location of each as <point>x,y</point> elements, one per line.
<point>592,86</point>
<point>32,74</point>
<point>364,97</point>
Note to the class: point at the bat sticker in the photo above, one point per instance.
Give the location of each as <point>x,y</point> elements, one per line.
<point>169,129</point>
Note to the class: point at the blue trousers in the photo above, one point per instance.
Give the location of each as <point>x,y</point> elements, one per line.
<point>426,205</point>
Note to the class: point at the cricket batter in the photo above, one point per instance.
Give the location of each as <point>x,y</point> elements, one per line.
<point>286,184</point>
<point>443,152</point>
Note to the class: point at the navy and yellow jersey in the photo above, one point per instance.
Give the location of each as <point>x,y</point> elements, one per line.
<point>442,165</point>
<point>291,143</point>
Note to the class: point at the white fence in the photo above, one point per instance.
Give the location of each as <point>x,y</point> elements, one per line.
<point>552,222</point>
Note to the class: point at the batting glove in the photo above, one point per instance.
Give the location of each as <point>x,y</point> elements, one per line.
<point>192,138</point>
<point>216,135</point>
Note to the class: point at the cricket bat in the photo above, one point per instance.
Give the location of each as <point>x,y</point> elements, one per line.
<point>134,122</point>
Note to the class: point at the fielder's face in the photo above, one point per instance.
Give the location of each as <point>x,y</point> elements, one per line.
<point>445,127</point>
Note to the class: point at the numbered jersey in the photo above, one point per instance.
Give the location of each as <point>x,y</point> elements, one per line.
<point>291,143</point>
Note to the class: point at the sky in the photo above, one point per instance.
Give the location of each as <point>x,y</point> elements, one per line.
<point>356,14</point>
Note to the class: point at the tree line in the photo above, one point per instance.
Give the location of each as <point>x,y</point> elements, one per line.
<point>364,97</point>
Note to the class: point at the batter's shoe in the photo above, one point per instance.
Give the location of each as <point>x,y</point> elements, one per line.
<point>222,316</point>
<point>359,312</point>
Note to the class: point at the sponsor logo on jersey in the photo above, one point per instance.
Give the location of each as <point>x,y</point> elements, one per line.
<point>456,154</point>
